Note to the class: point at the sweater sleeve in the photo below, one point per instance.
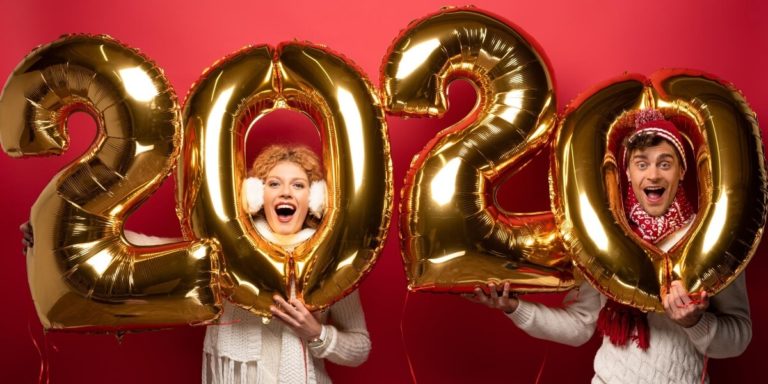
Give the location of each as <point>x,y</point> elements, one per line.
<point>573,324</point>
<point>725,329</point>
<point>347,341</point>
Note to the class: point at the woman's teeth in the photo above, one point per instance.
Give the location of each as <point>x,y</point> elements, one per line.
<point>285,210</point>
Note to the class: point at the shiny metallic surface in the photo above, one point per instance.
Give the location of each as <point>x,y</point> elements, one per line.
<point>454,235</point>
<point>82,272</point>
<point>218,113</point>
<point>588,186</point>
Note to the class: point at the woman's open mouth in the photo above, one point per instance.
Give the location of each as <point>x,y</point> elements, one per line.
<point>285,212</point>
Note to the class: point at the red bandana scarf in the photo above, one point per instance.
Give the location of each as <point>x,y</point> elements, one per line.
<point>654,229</point>
<point>622,323</point>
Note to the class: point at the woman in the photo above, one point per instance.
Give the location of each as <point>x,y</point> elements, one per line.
<point>285,194</point>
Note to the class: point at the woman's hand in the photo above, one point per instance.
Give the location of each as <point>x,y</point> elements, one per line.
<point>26,236</point>
<point>681,307</point>
<point>505,302</point>
<point>294,314</point>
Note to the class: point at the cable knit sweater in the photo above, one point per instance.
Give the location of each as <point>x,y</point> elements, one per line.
<point>676,354</point>
<point>245,349</point>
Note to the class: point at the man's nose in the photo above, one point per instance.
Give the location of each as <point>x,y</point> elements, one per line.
<point>654,173</point>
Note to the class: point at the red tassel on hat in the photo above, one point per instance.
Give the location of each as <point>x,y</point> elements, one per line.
<point>622,323</point>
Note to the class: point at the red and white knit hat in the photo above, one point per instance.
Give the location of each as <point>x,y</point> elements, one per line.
<point>653,122</point>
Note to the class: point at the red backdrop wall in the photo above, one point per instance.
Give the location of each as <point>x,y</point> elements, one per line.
<point>446,338</point>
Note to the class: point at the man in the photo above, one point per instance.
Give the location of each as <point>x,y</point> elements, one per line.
<point>669,347</point>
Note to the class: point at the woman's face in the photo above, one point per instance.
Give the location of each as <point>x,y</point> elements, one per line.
<point>286,198</point>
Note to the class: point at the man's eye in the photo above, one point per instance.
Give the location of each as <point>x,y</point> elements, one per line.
<point>642,165</point>
<point>664,165</point>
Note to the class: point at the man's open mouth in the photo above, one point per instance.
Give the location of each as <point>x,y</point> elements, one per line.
<point>654,193</point>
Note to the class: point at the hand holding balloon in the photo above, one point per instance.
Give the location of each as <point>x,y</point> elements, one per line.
<point>296,316</point>
<point>505,302</point>
<point>683,308</point>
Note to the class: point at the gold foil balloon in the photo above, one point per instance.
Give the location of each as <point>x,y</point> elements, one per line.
<point>728,161</point>
<point>82,272</point>
<point>454,236</point>
<point>218,113</point>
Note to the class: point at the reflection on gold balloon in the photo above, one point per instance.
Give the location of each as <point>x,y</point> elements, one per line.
<point>729,163</point>
<point>82,272</point>
<point>454,236</point>
<point>218,113</point>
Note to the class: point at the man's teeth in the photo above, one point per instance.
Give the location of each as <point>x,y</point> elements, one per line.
<point>654,192</point>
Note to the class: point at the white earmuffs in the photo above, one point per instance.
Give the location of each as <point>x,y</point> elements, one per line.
<point>317,196</point>
<point>253,190</point>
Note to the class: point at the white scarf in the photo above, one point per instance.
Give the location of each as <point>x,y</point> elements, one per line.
<point>230,348</point>
<point>295,362</point>
<point>289,242</point>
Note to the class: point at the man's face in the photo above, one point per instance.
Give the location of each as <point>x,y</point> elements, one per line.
<point>654,173</point>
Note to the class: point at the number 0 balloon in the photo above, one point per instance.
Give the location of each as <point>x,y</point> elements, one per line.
<point>217,116</point>
<point>729,163</point>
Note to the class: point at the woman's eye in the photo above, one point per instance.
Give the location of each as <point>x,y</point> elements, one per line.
<point>299,185</point>
<point>273,184</point>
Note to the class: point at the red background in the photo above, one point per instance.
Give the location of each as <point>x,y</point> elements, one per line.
<point>448,339</point>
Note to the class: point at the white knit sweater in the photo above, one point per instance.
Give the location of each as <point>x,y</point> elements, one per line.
<point>243,349</point>
<point>676,354</point>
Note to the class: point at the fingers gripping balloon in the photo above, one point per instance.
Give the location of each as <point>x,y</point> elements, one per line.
<point>82,272</point>
<point>453,236</point>
<point>728,161</point>
<point>221,108</point>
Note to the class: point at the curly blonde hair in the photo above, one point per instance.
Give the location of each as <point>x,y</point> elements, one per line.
<point>297,154</point>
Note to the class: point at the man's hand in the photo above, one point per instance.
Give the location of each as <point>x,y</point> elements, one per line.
<point>504,302</point>
<point>681,307</point>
